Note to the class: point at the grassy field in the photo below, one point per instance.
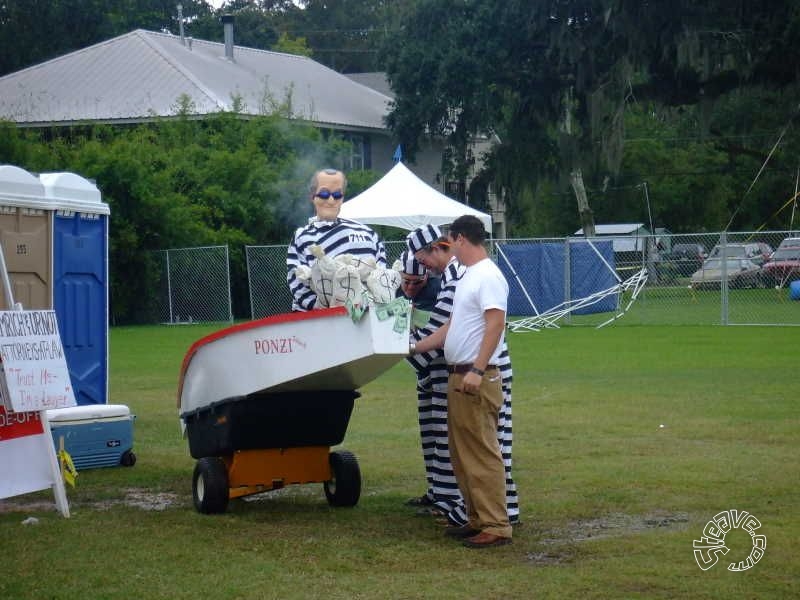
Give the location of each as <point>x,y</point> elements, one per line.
<point>611,500</point>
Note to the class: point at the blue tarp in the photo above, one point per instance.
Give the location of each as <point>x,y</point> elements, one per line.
<point>540,268</point>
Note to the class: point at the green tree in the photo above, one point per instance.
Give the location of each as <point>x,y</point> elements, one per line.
<point>551,80</point>
<point>185,183</point>
<point>33,31</point>
<point>346,35</point>
<point>291,45</point>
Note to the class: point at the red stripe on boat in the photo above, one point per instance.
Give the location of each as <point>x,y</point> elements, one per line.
<point>273,320</point>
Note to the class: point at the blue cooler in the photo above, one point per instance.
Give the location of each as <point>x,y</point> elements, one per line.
<point>95,435</point>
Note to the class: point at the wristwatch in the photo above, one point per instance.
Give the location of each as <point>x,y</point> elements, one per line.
<point>477,371</point>
<point>412,349</point>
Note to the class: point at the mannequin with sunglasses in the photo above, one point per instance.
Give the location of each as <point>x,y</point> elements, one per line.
<point>332,233</point>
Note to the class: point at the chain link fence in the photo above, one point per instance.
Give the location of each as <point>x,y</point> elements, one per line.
<point>266,274</point>
<point>195,285</point>
<point>728,278</point>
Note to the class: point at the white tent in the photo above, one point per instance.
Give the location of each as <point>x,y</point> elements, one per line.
<point>401,199</point>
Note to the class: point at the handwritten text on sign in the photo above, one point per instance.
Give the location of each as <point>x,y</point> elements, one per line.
<point>33,360</point>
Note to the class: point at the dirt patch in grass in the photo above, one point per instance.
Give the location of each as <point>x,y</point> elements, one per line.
<point>134,497</point>
<point>559,544</point>
<point>614,525</point>
<point>546,559</point>
<point>143,499</point>
<point>9,506</point>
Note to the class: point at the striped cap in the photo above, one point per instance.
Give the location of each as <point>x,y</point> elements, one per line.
<point>421,237</point>
<point>410,265</point>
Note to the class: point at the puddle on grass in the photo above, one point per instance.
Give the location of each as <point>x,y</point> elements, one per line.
<point>559,543</point>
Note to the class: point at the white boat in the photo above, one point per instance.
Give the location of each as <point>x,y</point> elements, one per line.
<point>262,402</point>
<point>316,351</point>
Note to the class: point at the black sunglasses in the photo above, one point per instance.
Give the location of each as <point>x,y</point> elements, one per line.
<point>325,194</point>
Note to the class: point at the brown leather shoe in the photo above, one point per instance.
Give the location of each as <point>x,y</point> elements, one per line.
<point>486,540</point>
<point>464,531</point>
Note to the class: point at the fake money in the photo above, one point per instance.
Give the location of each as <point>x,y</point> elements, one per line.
<point>401,323</point>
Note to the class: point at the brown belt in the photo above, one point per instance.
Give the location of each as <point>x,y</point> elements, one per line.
<point>464,368</point>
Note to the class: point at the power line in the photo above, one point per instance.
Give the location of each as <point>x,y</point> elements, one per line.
<point>707,138</point>
<point>361,30</point>
<point>345,50</point>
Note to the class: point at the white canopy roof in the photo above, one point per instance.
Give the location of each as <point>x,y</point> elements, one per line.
<point>401,199</point>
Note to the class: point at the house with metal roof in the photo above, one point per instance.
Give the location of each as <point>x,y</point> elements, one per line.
<point>140,75</point>
<point>375,80</point>
<point>145,75</point>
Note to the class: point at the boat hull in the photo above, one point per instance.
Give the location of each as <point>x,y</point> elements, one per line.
<point>283,381</point>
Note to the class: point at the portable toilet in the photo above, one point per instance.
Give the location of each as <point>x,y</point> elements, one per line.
<point>81,280</point>
<point>25,234</point>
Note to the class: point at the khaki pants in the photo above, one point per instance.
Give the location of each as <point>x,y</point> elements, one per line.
<point>475,452</point>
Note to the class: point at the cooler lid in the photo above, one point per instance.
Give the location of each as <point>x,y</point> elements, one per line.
<point>88,412</point>
<point>68,191</point>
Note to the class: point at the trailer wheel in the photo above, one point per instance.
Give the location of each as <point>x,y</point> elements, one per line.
<point>344,489</point>
<point>210,485</point>
<point>128,458</point>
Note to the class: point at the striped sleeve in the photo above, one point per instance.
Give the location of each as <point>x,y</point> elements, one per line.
<point>440,313</point>
<point>303,297</point>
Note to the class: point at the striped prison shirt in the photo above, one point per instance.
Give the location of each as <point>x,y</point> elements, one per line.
<point>341,236</point>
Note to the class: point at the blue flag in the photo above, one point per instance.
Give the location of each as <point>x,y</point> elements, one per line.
<point>398,154</point>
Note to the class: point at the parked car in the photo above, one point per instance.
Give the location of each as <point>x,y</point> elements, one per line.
<point>685,259</point>
<point>758,252</point>
<point>784,267</point>
<point>789,242</point>
<point>741,273</point>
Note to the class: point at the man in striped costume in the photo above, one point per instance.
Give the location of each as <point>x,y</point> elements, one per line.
<point>333,234</point>
<point>432,249</point>
<point>472,340</point>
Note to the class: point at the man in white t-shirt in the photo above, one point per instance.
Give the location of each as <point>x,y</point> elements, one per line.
<point>472,340</point>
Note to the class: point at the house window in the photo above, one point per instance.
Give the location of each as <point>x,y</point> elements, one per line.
<point>456,190</point>
<point>359,157</point>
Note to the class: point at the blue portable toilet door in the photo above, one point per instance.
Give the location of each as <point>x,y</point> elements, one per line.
<point>80,289</point>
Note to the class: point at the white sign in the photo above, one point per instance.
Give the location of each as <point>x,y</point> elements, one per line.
<point>24,467</point>
<point>712,543</point>
<point>28,460</point>
<point>36,374</point>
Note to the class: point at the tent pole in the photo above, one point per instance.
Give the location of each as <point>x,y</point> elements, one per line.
<point>519,281</point>
<point>602,258</point>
